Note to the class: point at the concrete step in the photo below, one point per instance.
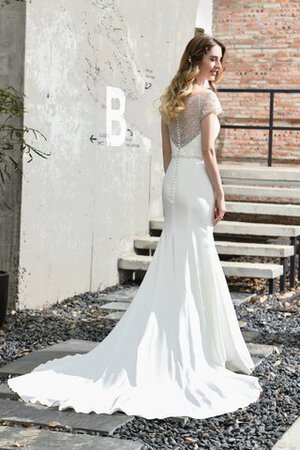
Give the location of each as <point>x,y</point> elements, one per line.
<point>270,209</point>
<point>260,182</point>
<point>251,270</point>
<point>227,248</point>
<point>257,229</point>
<point>244,228</point>
<point>131,261</point>
<point>263,192</point>
<point>255,172</point>
<point>254,249</point>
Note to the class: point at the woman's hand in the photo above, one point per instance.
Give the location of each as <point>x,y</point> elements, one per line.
<point>220,208</point>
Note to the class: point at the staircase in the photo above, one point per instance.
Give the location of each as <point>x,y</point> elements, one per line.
<point>262,220</point>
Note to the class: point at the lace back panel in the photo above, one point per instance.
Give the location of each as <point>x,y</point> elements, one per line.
<point>189,120</point>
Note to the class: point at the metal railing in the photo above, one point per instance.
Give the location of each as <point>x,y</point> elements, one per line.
<point>269,127</point>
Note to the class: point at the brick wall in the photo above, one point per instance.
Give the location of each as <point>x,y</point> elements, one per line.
<point>263,51</point>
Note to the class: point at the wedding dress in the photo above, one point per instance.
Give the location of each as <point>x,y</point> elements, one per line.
<point>178,349</point>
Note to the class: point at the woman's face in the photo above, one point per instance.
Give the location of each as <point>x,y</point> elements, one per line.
<point>211,63</point>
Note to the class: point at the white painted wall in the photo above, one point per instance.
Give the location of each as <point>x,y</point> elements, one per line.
<point>82,207</point>
<point>205,15</point>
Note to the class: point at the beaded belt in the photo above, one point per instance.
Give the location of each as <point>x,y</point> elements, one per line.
<point>186,156</point>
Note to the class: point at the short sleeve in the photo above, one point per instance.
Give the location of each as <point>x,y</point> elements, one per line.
<point>209,103</point>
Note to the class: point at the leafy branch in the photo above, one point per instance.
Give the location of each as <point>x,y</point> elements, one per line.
<point>12,138</point>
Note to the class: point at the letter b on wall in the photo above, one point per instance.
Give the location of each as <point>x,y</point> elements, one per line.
<point>115,115</point>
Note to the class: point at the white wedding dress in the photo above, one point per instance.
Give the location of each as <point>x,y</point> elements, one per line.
<point>178,349</point>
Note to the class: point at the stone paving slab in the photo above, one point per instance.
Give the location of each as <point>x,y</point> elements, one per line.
<point>115,315</point>
<point>126,295</point>
<point>27,363</point>
<point>6,392</point>
<point>120,294</point>
<point>35,439</point>
<point>290,439</point>
<point>116,305</point>
<point>257,360</point>
<point>262,350</point>
<point>72,346</point>
<point>24,412</point>
<point>241,297</point>
<point>250,335</point>
<point>121,300</point>
<point>237,298</point>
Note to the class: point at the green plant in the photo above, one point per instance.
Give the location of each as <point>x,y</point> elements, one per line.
<point>8,2</point>
<point>13,145</point>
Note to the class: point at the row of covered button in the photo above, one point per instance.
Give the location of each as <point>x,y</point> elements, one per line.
<point>172,192</point>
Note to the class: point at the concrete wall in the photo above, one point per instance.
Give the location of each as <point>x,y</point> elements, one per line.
<point>82,207</point>
<point>12,39</point>
<point>204,16</point>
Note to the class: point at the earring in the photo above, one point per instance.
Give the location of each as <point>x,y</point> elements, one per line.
<point>190,60</point>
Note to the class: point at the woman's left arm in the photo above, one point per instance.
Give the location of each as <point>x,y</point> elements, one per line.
<point>166,144</point>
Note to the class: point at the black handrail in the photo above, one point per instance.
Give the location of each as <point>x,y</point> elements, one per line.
<point>269,127</point>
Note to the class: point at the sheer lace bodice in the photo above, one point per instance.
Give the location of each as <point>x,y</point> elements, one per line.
<point>189,122</point>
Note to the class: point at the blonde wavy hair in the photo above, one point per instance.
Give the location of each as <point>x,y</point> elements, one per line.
<point>171,101</point>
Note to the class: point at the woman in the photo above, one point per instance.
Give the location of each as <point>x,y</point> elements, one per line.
<point>178,350</point>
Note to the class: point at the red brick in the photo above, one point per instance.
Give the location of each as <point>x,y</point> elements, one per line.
<point>262,42</point>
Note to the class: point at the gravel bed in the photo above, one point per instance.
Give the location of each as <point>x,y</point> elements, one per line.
<point>275,318</point>
<point>258,426</point>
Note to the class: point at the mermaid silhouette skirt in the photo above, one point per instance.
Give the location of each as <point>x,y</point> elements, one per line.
<point>178,349</point>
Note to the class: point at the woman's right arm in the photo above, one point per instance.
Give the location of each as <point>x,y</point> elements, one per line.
<point>211,165</point>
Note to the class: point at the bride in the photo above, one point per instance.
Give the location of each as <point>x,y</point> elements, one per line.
<point>178,350</point>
